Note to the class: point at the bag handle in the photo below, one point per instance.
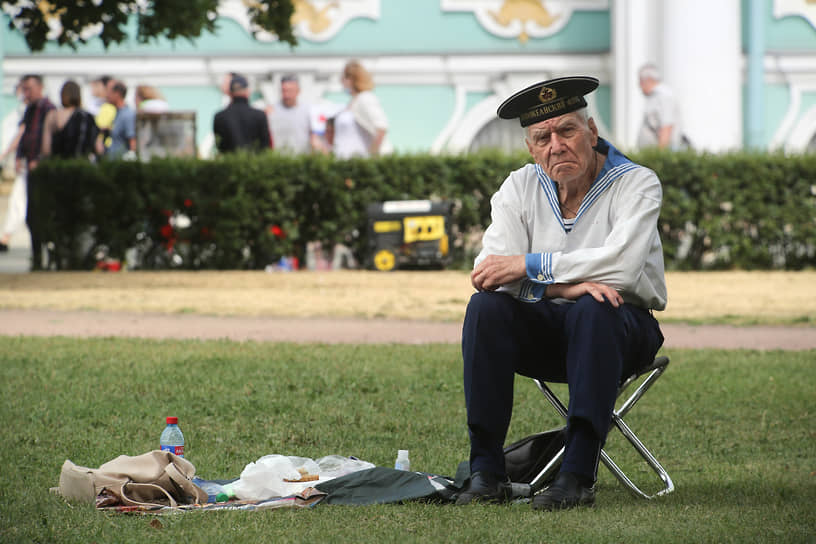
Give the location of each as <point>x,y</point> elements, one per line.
<point>130,502</point>
<point>185,484</point>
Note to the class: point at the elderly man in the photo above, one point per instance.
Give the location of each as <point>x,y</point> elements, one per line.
<point>661,114</point>
<point>570,270</point>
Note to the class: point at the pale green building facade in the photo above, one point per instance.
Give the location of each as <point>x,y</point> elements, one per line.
<point>441,67</point>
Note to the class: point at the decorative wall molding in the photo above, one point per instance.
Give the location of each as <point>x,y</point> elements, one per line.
<point>798,127</point>
<point>313,20</point>
<point>523,19</point>
<point>802,8</point>
<point>464,127</point>
<point>803,132</point>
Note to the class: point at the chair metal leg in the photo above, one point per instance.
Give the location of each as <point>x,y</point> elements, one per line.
<point>654,372</point>
<point>538,482</point>
<point>647,456</point>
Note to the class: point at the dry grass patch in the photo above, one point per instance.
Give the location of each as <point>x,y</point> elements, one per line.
<point>736,297</point>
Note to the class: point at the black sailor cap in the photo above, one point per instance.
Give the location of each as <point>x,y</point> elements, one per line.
<point>548,99</point>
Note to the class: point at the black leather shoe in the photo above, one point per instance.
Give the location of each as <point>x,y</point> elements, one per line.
<point>485,487</point>
<point>565,492</point>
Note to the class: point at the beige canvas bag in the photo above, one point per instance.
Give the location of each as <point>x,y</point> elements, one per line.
<point>156,477</point>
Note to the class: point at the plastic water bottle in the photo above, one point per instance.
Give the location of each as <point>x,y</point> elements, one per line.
<point>215,491</point>
<point>402,463</point>
<point>171,438</point>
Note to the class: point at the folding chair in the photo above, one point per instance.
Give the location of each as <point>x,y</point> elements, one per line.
<point>653,372</point>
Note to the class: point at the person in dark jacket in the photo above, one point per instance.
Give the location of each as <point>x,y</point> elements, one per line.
<point>239,125</point>
<point>70,132</point>
<point>28,155</point>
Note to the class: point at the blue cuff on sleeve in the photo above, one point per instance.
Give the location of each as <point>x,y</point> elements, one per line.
<point>531,291</point>
<point>539,267</point>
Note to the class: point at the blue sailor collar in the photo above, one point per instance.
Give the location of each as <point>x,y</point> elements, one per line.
<point>615,165</point>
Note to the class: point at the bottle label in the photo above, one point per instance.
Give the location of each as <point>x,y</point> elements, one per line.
<point>178,450</point>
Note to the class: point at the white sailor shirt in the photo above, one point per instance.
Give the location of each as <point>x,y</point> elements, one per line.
<point>614,239</point>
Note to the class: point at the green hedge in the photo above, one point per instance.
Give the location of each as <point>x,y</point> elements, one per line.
<point>750,211</point>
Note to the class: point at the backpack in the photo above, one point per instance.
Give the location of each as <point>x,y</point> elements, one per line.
<point>524,459</point>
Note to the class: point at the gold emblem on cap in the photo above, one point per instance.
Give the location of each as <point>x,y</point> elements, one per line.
<point>547,94</point>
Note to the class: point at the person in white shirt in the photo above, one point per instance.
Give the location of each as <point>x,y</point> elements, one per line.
<point>360,129</point>
<point>570,270</point>
<point>149,99</point>
<point>290,120</point>
<point>661,113</point>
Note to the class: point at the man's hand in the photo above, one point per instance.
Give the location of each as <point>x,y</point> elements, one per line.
<point>572,291</point>
<point>498,270</point>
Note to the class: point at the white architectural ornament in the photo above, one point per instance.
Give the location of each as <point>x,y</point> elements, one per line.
<point>798,127</point>
<point>523,19</point>
<point>313,20</point>
<point>802,8</point>
<point>463,127</point>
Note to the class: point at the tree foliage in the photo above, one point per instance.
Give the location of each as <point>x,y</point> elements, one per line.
<point>73,22</point>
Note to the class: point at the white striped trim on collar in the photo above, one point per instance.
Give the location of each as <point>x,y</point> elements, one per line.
<point>597,188</point>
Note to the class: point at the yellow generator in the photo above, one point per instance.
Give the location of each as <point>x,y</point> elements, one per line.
<point>409,233</point>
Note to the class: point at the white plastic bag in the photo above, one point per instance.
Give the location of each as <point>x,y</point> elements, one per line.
<point>334,466</point>
<point>304,465</point>
<point>266,477</point>
<point>263,479</point>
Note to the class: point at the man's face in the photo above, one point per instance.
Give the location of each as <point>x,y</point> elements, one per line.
<point>98,89</point>
<point>563,146</point>
<point>109,92</point>
<point>225,84</point>
<point>289,93</point>
<point>647,85</point>
<point>32,90</point>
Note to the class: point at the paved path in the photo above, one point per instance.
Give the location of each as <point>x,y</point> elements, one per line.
<point>325,330</point>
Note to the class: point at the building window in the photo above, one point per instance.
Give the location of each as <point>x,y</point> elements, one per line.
<point>502,134</point>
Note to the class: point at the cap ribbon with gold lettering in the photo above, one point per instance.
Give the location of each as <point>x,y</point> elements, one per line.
<point>548,99</point>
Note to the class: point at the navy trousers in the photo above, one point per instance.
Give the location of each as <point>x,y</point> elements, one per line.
<point>589,345</point>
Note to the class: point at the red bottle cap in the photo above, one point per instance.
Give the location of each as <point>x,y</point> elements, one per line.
<point>172,420</point>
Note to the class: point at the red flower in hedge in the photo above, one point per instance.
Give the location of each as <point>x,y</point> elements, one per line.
<point>188,203</point>
<point>277,231</point>
<point>166,231</point>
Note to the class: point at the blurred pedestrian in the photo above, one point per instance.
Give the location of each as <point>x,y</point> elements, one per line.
<point>99,95</point>
<point>661,117</point>
<point>28,153</point>
<point>290,119</point>
<point>105,111</point>
<point>123,130</point>
<point>16,208</point>
<point>239,125</point>
<point>360,129</point>
<point>70,132</point>
<point>149,99</point>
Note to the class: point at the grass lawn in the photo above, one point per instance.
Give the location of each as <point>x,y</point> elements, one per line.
<point>734,429</point>
<point>733,297</point>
